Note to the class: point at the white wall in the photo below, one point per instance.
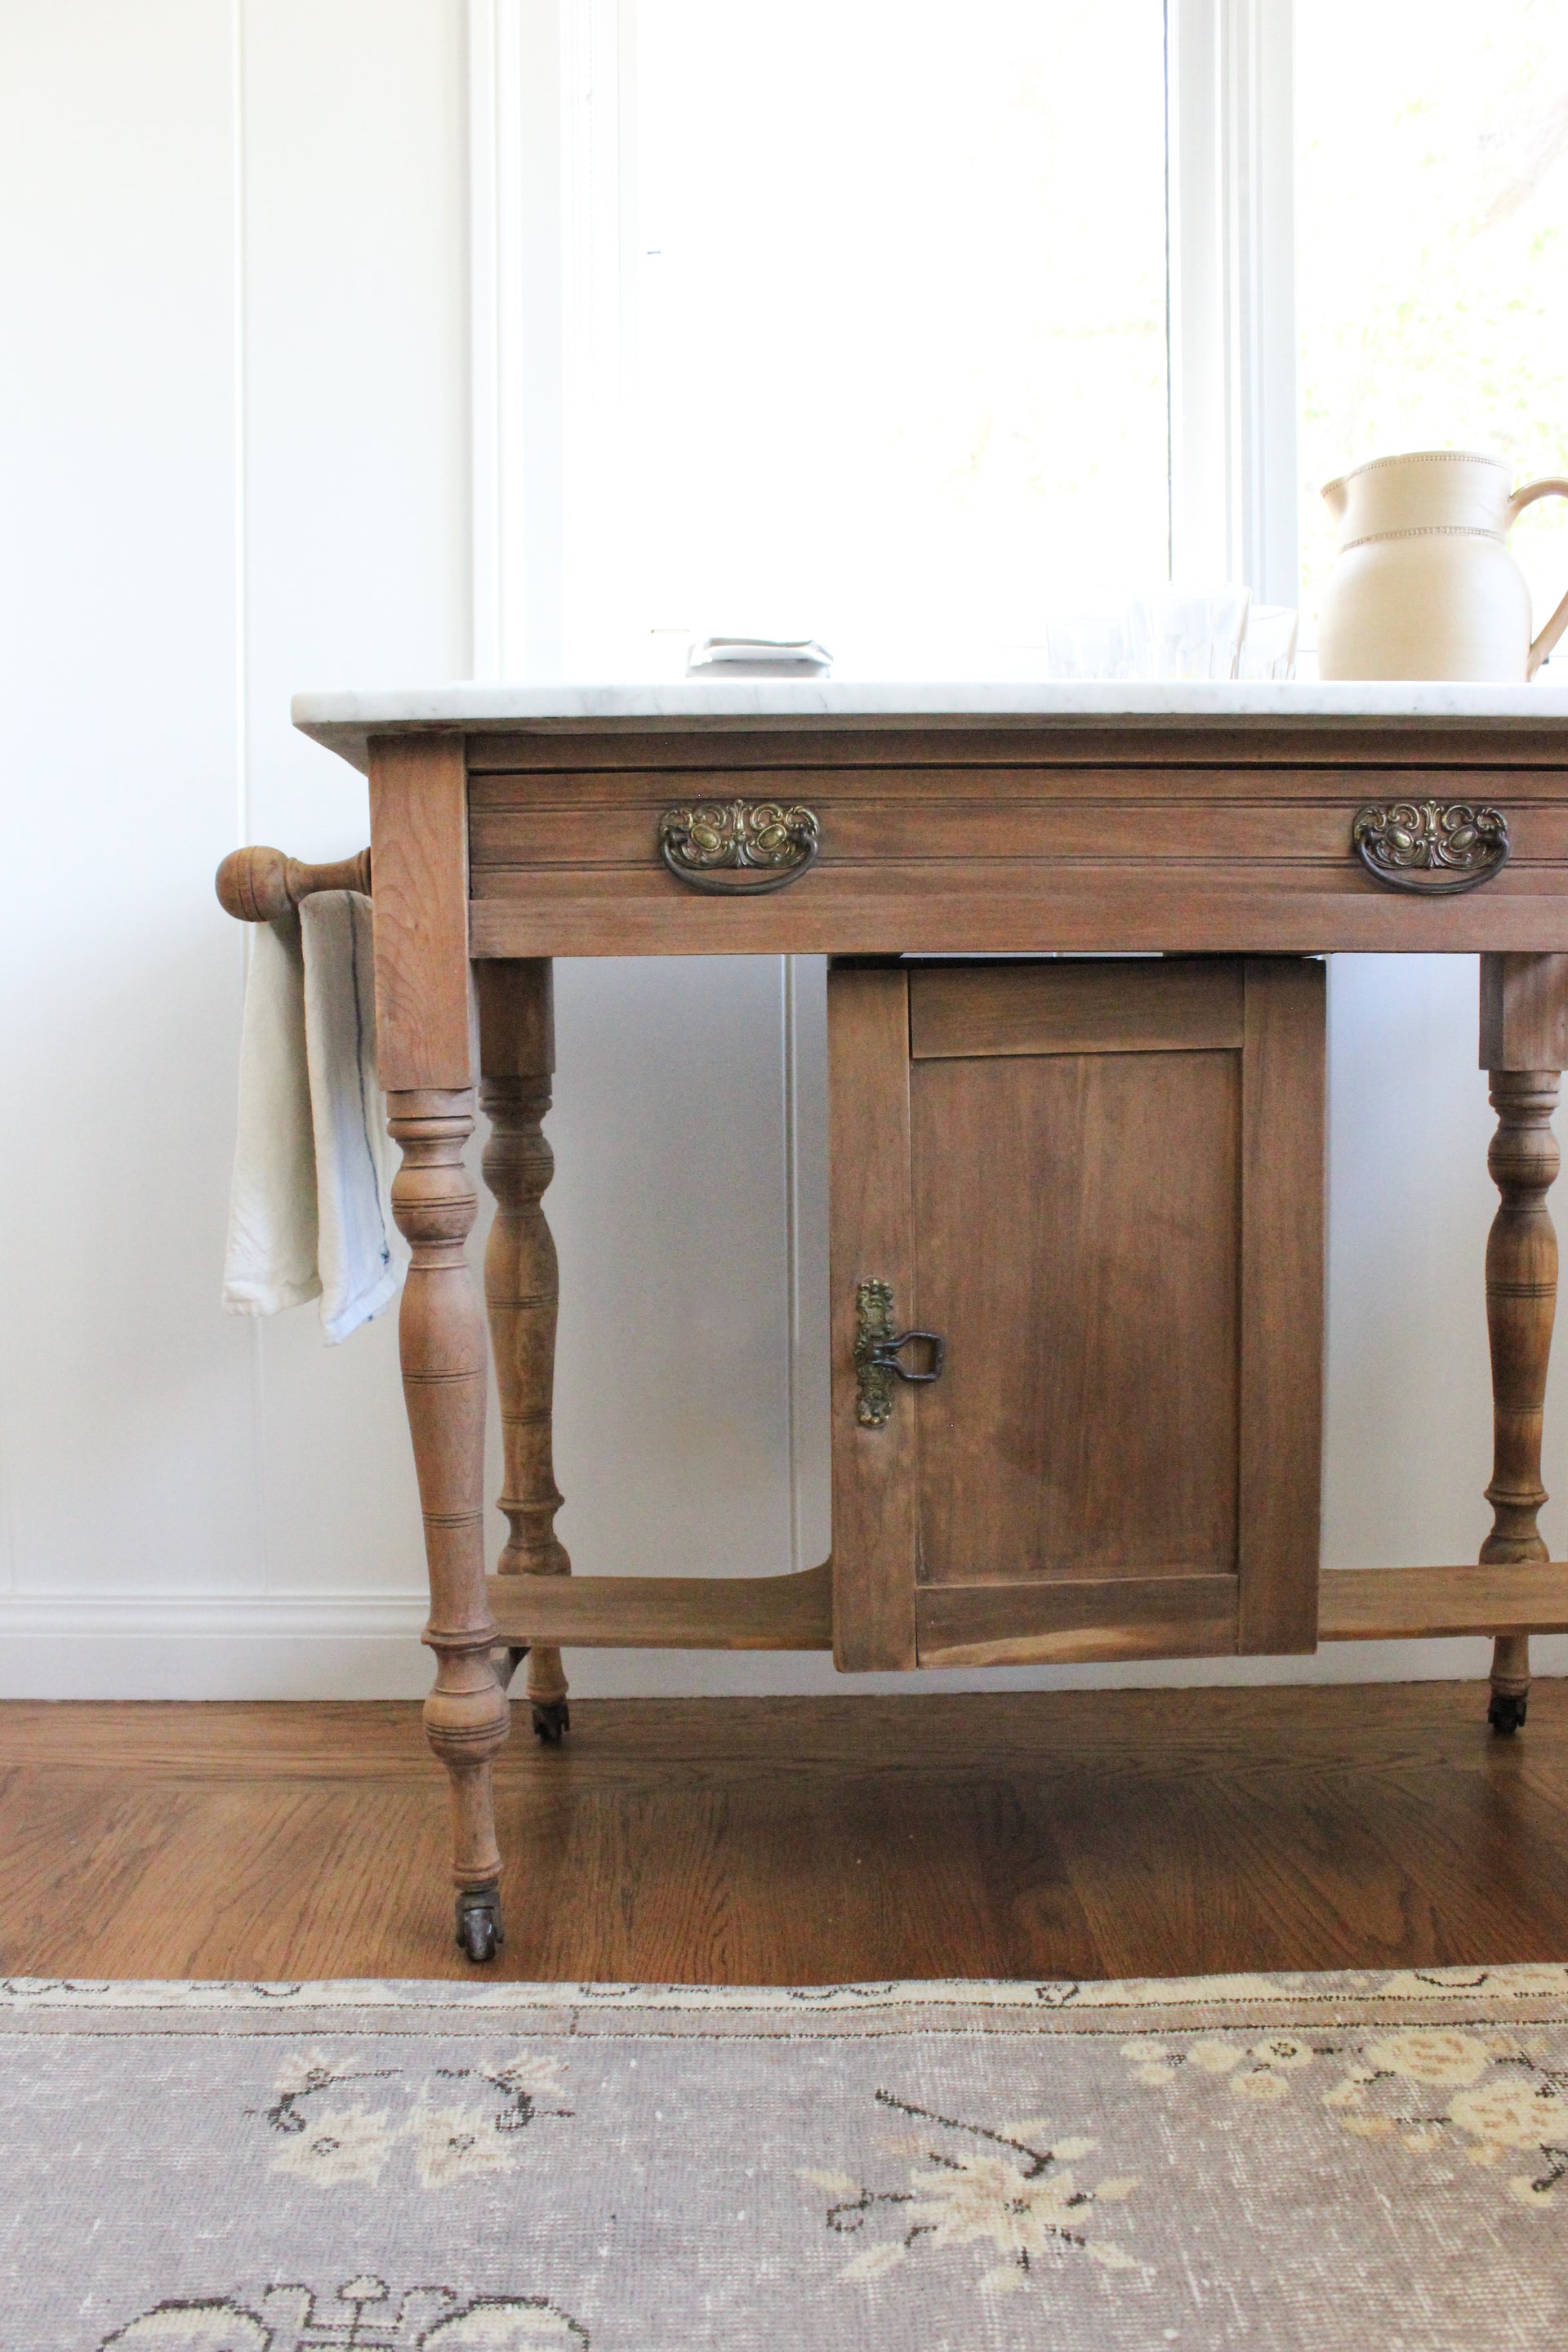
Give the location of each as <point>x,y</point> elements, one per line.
<point>233,429</point>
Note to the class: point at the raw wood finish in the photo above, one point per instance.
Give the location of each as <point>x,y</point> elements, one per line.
<point>1525,1012</point>
<point>1040,1836</point>
<point>918,910</point>
<point>874,1470</point>
<point>1025,840</point>
<point>671,1612</point>
<point>1521,1297</point>
<point>1102,1006</point>
<point>1523,1046</point>
<point>1075,1241</point>
<point>1123,1251</point>
<point>1521,1301</point>
<point>1409,756</point>
<point>1181,1615</point>
<point>419,825</point>
<point>794,1612</point>
<point>1282,1128</point>
<point>441,1341</point>
<point>1381,1604</point>
<point>1023,818</point>
<point>517,1057</point>
<point>262,886</point>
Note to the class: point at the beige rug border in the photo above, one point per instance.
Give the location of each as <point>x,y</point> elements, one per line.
<point>1533,1991</point>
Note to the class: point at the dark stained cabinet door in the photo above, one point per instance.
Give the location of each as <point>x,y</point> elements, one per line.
<point>1100,1183</point>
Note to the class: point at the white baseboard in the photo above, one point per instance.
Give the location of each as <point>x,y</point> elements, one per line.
<point>170,1646</point>
<point>367,1646</point>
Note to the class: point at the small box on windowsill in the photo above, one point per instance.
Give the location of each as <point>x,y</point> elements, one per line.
<point>728,660</point>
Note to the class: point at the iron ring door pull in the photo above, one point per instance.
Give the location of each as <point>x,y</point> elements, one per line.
<point>738,848</point>
<point>886,1354</point>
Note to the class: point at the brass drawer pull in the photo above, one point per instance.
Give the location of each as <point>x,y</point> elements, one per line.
<point>876,1349</point>
<point>1433,848</point>
<point>761,843</point>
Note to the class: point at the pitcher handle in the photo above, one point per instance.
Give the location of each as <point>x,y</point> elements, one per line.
<point>1555,488</point>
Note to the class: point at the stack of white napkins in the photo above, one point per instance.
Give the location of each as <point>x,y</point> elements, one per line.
<point>722,658</point>
<point>311,1210</point>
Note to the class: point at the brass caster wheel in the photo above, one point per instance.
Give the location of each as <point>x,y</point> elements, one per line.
<point>551,1719</point>
<point>1507,1712</point>
<point>479,1922</point>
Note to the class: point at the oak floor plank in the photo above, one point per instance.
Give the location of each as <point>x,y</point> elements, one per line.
<point>799,1840</point>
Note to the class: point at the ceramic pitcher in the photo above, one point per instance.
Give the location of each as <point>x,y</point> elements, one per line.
<point>1424,585</point>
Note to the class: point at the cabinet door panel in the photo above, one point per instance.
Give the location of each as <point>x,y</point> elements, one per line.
<point>1101,1184</point>
<point>1077,1222</point>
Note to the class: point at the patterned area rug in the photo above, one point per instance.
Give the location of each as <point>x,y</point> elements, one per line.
<point>1308,2161</point>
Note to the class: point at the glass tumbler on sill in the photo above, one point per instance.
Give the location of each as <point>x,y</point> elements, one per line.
<point>1189,633</point>
<point>1268,648</point>
<point>1090,642</point>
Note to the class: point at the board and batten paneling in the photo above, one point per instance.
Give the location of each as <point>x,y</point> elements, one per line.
<point>235,426</point>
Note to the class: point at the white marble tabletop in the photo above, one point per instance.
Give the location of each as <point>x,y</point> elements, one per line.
<point>343,722</point>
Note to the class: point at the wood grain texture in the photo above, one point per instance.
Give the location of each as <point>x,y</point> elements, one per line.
<point>1021,839</point>
<point>1283,1143</point>
<point>955,776</point>
<point>676,1612</point>
<point>1076,1243</point>
<point>1465,759</point>
<point>800,1841</point>
<point>522,1284</point>
<point>916,908</point>
<point>419,844</point>
<point>1521,1304</point>
<point>1122,1251</point>
<point>1178,1615</point>
<point>874,1470</point>
<point>1087,820</point>
<point>262,886</point>
<point>1521,1300</point>
<point>1101,1006</point>
<point>1368,1604</point>
<point>1525,1012</point>
<point>441,1344</point>
<point>1523,1043</point>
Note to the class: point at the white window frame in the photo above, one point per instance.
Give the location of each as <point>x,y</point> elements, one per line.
<point>1234,488</point>
<point>552,147</point>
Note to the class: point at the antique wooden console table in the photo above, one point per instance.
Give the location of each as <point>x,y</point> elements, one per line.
<point>1135,1148</point>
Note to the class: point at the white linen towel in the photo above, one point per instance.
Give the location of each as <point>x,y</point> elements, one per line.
<point>311,1209</point>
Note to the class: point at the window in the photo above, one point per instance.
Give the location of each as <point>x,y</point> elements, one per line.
<point>897,323</point>
<point>900,368</point>
<point>1431,273</point>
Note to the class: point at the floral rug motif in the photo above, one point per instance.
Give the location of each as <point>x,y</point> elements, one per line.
<point>1284,2163</point>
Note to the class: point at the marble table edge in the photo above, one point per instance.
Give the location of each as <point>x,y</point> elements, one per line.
<point>343,721</point>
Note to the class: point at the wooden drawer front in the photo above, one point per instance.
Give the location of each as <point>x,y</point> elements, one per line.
<point>945,858</point>
<point>1101,1184</point>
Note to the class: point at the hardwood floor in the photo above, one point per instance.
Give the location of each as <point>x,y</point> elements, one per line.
<point>798,1841</point>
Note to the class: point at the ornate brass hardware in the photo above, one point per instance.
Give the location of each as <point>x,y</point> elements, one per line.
<point>1433,848</point>
<point>877,1351</point>
<point>763,843</point>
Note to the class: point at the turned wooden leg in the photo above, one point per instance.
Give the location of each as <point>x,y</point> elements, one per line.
<point>1522,1302</point>
<point>1524,1048</point>
<point>517,1058</point>
<point>441,1336</point>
